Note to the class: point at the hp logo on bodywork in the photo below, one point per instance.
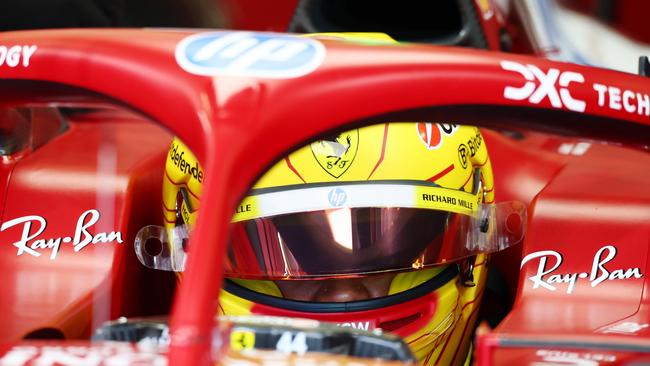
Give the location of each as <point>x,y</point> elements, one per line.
<point>249,54</point>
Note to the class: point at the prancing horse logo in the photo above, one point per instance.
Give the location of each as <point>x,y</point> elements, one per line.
<point>335,154</point>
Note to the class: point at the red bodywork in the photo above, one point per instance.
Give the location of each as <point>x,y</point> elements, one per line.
<point>237,126</point>
<point>628,17</point>
<point>59,184</point>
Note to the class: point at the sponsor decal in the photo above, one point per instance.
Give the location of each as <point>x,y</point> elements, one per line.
<point>185,166</point>
<point>356,325</point>
<point>249,54</point>
<point>601,270</point>
<point>273,320</point>
<point>292,343</point>
<point>337,197</point>
<point>335,154</point>
<point>247,209</point>
<point>541,85</point>
<point>242,340</point>
<point>629,328</point>
<point>185,213</point>
<point>14,56</point>
<point>33,226</point>
<point>555,84</point>
<point>617,99</point>
<point>448,200</point>
<point>243,208</point>
<point>573,358</point>
<point>431,133</point>
<point>106,354</point>
<point>463,155</point>
<point>469,149</point>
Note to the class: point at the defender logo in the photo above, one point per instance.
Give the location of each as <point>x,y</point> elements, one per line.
<point>336,154</point>
<point>249,54</point>
<point>185,166</point>
<point>541,85</point>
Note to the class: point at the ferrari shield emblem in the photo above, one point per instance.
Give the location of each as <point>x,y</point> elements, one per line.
<point>335,154</point>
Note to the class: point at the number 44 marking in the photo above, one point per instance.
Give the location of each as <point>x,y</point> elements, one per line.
<point>288,343</point>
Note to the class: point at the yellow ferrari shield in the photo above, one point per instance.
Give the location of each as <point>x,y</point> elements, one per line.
<point>335,154</point>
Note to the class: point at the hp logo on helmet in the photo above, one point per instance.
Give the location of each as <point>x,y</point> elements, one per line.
<point>249,54</point>
<point>337,197</point>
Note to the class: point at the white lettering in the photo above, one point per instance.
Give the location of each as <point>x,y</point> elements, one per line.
<point>541,268</point>
<point>12,55</point>
<point>598,265</point>
<point>627,96</point>
<point>546,89</point>
<point>357,325</point>
<point>18,356</point>
<point>80,229</point>
<point>566,357</point>
<point>288,343</point>
<point>601,89</point>
<point>567,78</point>
<point>614,98</point>
<point>523,92</point>
<point>625,328</point>
<point>53,356</point>
<point>109,354</point>
<point>25,237</point>
<point>599,272</point>
<point>28,51</point>
<point>643,101</point>
<point>29,242</point>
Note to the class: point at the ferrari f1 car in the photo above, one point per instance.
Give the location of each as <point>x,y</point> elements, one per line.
<point>87,122</point>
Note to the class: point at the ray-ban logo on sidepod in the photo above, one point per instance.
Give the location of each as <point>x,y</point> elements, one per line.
<point>32,242</point>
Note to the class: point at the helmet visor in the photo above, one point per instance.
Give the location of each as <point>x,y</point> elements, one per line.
<point>290,235</point>
<point>343,241</point>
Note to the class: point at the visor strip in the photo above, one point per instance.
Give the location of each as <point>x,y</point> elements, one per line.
<point>355,196</point>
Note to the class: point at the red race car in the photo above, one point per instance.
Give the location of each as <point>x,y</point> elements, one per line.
<point>283,140</point>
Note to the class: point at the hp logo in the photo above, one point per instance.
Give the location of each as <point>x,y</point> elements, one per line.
<point>337,197</point>
<point>249,54</point>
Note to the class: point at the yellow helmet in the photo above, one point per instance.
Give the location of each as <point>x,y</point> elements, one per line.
<point>385,226</point>
<point>399,215</point>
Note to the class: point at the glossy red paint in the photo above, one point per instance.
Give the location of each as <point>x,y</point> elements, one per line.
<point>227,121</point>
<point>59,184</point>
<point>258,16</point>
<point>627,17</point>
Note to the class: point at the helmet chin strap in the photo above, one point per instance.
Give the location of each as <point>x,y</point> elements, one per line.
<point>466,271</point>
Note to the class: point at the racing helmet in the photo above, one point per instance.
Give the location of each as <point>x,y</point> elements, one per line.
<point>381,227</point>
